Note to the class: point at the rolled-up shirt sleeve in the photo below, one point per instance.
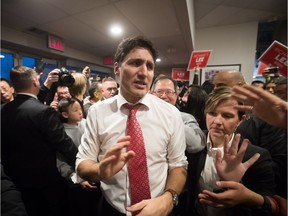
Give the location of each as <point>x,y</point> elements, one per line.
<point>89,147</point>
<point>176,147</point>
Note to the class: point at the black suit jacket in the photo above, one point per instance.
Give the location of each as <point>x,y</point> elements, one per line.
<point>258,178</point>
<point>274,140</point>
<point>31,134</point>
<point>11,201</point>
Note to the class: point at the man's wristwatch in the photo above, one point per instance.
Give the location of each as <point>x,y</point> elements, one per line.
<point>174,196</point>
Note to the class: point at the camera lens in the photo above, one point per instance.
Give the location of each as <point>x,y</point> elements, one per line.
<point>65,78</point>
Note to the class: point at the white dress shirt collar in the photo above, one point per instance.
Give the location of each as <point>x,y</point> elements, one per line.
<point>121,101</point>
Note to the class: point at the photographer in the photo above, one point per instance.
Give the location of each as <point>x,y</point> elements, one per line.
<point>70,84</point>
<point>61,92</point>
<point>46,88</point>
<point>64,80</point>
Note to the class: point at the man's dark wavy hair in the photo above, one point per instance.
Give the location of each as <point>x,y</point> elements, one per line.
<point>128,44</point>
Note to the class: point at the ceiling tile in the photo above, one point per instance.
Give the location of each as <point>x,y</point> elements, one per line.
<point>152,17</point>
<point>33,11</point>
<point>76,6</point>
<point>13,20</point>
<point>237,3</point>
<point>243,16</point>
<point>216,16</point>
<point>84,24</point>
<point>277,6</point>
<point>101,19</point>
<point>75,30</point>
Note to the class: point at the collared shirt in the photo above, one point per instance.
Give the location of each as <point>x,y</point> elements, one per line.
<point>164,139</point>
<point>209,177</point>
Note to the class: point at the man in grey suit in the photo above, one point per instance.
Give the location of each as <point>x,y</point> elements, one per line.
<point>166,89</point>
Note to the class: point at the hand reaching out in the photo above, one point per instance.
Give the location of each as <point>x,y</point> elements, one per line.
<point>86,72</point>
<point>235,194</point>
<point>230,167</point>
<point>265,105</point>
<point>54,103</point>
<point>115,159</point>
<point>111,163</point>
<point>52,78</point>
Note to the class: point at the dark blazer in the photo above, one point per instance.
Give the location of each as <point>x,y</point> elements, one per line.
<point>11,201</point>
<point>258,178</point>
<point>274,140</point>
<point>31,134</point>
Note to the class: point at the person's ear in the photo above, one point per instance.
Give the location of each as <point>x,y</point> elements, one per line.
<point>116,68</point>
<point>35,82</point>
<point>64,115</point>
<point>98,94</point>
<point>39,75</point>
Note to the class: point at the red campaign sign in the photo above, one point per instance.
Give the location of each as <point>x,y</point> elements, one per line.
<point>199,59</point>
<point>180,74</point>
<point>261,67</point>
<point>276,56</point>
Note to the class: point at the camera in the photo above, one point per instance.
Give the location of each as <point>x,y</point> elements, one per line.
<point>271,71</point>
<point>65,78</point>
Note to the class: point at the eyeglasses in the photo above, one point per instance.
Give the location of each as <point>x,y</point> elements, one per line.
<point>167,92</point>
<point>111,89</point>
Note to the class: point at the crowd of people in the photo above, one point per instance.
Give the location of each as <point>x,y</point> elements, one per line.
<point>143,145</point>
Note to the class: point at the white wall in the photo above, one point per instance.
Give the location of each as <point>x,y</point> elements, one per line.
<point>233,44</point>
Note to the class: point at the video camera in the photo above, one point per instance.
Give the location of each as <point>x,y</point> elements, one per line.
<point>65,78</point>
<point>271,71</point>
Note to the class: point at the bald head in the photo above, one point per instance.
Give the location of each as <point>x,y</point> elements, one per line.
<point>228,78</point>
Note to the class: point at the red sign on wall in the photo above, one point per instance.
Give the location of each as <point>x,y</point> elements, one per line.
<point>199,59</point>
<point>108,60</point>
<point>56,43</point>
<point>180,74</point>
<point>276,56</point>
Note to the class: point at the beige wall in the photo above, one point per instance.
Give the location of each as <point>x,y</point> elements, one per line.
<point>233,44</point>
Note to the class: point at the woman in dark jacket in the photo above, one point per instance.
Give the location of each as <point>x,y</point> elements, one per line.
<point>222,120</point>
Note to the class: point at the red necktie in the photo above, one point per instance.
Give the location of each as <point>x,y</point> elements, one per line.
<point>137,166</point>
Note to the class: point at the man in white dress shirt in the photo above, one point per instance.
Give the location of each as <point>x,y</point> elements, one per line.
<point>102,153</point>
